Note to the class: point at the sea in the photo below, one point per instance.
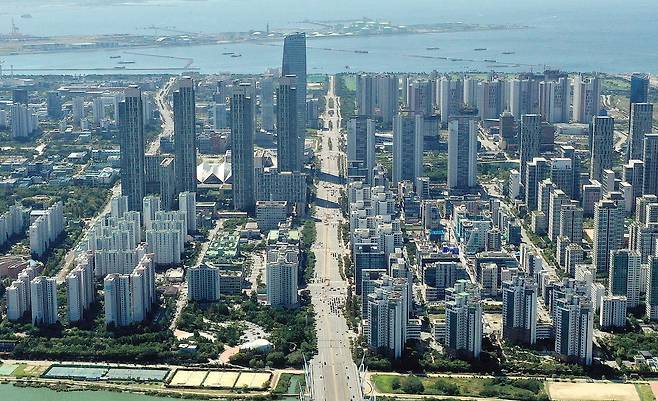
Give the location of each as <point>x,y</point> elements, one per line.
<point>572,35</point>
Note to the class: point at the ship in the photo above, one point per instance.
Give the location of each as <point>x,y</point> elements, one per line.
<point>228,54</point>
<point>508,53</point>
<point>115,56</point>
<point>480,49</point>
<point>431,48</point>
<point>126,62</point>
<point>361,51</point>
<point>486,60</point>
<point>119,67</point>
<point>27,16</point>
<point>236,55</point>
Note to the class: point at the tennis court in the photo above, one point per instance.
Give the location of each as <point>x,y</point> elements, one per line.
<point>143,375</point>
<point>77,372</point>
<point>221,379</point>
<point>188,378</point>
<point>252,380</point>
<point>7,369</point>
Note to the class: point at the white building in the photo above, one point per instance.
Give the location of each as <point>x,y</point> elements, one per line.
<point>462,153</point>
<point>574,327</point>
<point>187,204</point>
<point>388,315</point>
<point>130,297</point>
<point>80,288</point>
<point>150,206</point>
<point>613,311</point>
<point>46,229</point>
<point>19,294</point>
<point>281,271</point>
<point>12,222</point>
<point>408,140</point>
<point>520,310</point>
<point>203,283</point>
<point>43,299</point>
<point>586,99</point>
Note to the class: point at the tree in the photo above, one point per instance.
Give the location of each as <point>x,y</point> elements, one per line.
<point>276,359</point>
<point>412,385</point>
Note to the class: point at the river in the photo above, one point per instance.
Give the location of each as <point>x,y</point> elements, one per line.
<point>10,392</point>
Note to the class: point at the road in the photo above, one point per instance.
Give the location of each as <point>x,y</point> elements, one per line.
<point>334,371</point>
<point>167,118</point>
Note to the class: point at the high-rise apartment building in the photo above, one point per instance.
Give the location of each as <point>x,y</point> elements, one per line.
<point>574,327</point>
<point>608,232</point>
<point>281,270</point>
<point>361,145</point>
<point>294,63</point>
<point>463,320</point>
<point>185,141</point>
<point>131,144</point>
<point>650,158</point>
<point>624,275</point>
<point>287,132</point>
<point>586,98</point>
<point>462,152</point>
<point>529,139</point>
<point>602,146</point>
<point>520,310</point>
<point>242,148</point>
<point>640,125</point>
<point>203,283</point>
<point>43,300</point>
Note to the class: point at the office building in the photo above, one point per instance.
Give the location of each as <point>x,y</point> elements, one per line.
<point>639,88</point>
<point>20,96</point>
<point>640,125</point>
<point>650,158</point>
<point>407,147</point>
<point>242,148</point>
<point>571,222</point>
<point>586,99</point>
<point>365,95</point>
<point>462,153</point>
<point>520,310</point>
<point>523,95</point>
<point>281,270</point>
<point>537,170</point>
<point>562,175</point>
<point>421,99</point>
<point>613,311</point>
<point>557,199</point>
<point>266,106</point>
<point>507,130</point>
<point>43,300</point>
<point>463,320</point>
<point>361,144</point>
<point>602,146</point>
<point>387,99</point>
<point>168,185</point>
<point>185,142</point>
<point>294,63</point>
<point>574,326</point>
<point>203,283</point>
<point>529,139</point>
<point>131,144</point>
<point>269,214</point>
<point>624,275</point>
<point>490,98</point>
<point>608,233</point>
<point>54,105</point>
<point>288,135</point>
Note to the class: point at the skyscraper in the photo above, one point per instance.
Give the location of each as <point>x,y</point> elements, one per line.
<point>650,158</point>
<point>131,143</point>
<point>294,63</point>
<point>462,152</point>
<point>361,144</point>
<point>574,328</point>
<point>640,125</point>
<point>639,88</point>
<point>54,105</point>
<point>407,147</point>
<point>266,104</point>
<point>387,97</point>
<point>242,148</point>
<point>602,146</point>
<point>365,95</point>
<point>288,138</point>
<point>608,232</point>
<point>281,271</point>
<point>536,171</point>
<point>463,320</point>
<point>185,143</point>
<point>529,138</point>
<point>554,101</point>
<point>421,100</point>
<point>652,289</point>
<point>204,283</point>
<point>451,98</point>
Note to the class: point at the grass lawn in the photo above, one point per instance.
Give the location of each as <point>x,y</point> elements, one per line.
<point>289,383</point>
<point>645,393</point>
<point>530,389</point>
<point>25,370</point>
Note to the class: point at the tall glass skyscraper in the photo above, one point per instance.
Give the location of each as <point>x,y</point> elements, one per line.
<point>294,63</point>
<point>286,125</point>
<point>184,136</point>
<point>639,88</point>
<point>131,143</point>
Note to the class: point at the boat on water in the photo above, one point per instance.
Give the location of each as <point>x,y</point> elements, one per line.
<point>126,62</point>
<point>228,54</point>
<point>486,60</point>
<point>236,55</point>
<point>361,51</point>
<point>27,16</point>
<point>119,67</point>
<point>431,48</point>
<point>508,52</point>
<point>115,56</point>
<point>480,49</point>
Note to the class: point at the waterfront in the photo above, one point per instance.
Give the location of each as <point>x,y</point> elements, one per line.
<point>11,392</point>
<point>562,37</point>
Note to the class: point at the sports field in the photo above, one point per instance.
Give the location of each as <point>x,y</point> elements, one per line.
<point>221,379</point>
<point>559,391</point>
